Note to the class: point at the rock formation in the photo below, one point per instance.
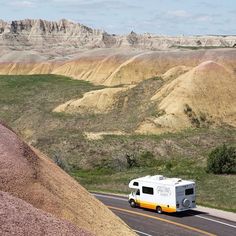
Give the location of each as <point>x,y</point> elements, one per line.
<point>27,174</point>
<point>74,50</point>
<point>99,101</point>
<point>38,34</point>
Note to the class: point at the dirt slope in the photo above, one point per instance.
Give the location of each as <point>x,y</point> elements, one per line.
<point>99,101</point>
<point>112,67</point>
<point>182,84</point>
<point>28,174</point>
<point>19,218</point>
<point>175,72</point>
<point>206,95</point>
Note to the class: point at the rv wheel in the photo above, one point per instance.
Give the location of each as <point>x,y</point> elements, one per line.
<point>132,203</point>
<point>159,210</point>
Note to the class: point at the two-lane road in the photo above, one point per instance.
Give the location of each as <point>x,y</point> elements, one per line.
<point>149,223</point>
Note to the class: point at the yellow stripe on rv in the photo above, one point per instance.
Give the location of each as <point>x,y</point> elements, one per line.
<point>153,206</point>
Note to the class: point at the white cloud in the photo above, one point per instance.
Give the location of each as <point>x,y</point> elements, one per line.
<point>179,13</point>
<point>25,3</point>
<point>203,18</point>
<point>75,1</point>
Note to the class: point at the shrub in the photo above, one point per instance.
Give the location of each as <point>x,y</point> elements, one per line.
<point>61,162</point>
<point>144,159</point>
<point>222,160</point>
<point>168,165</point>
<point>131,161</point>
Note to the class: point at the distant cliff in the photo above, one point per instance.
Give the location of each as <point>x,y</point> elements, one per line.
<point>38,34</point>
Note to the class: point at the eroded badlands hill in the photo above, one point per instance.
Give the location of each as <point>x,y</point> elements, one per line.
<point>20,218</point>
<point>66,36</point>
<point>113,67</point>
<point>29,175</point>
<point>185,97</point>
<point>197,88</point>
<point>42,33</point>
<point>206,95</point>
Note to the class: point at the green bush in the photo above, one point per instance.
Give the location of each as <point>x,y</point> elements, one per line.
<point>222,160</point>
<point>131,161</point>
<point>61,162</point>
<point>143,159</point>
<point>168,165</point>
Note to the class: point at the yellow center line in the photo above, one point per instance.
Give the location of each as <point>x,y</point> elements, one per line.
<point>163,220</point>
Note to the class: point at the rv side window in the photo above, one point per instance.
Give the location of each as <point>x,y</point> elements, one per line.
<point>189,191</point>
<point>135,183</point>
<point>147,190</point>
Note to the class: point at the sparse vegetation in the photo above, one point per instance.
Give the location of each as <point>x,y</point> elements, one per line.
<point>196,121</point>
<point>207,194</point>
<point>108,164</point>
<point>200,47</point>
<point>157,78</point>
<point>161,113</point>
<point>61,162</point>
<point>192,116</point>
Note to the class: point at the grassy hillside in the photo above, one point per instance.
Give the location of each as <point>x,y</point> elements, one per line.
<point>108,164</point>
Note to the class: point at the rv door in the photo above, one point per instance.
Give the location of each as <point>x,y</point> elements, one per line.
<point>137,194</point>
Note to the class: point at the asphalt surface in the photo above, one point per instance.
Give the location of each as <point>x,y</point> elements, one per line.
<point>149,223</point>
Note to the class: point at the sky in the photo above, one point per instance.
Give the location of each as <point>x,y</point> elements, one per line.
<point>162,17</point>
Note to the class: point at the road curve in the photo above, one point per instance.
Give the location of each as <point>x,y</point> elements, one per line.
<point>149,223</point>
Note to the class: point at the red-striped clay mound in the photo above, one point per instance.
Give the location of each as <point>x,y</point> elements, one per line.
<point>20,218</point>
<point>29,175</point>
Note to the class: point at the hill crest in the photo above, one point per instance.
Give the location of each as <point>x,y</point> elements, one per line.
<point>31,33</point>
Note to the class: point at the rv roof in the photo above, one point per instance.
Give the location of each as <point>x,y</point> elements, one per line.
<point>161,179</point>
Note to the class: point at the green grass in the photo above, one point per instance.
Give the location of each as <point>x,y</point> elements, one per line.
<point>37,93</point>
<point>212,190</point>
<point>26,105</point>
<point>189,162</point>
<point>156,78</point>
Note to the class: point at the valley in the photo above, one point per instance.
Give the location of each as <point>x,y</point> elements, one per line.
<point>103,150</point>
<point>83,107</point>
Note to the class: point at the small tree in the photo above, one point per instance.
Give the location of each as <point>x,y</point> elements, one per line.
<point>131,161</point>
<point>60,162</point>
<point>222,160</point>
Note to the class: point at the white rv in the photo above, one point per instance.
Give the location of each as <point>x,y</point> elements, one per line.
<point>162,194</point>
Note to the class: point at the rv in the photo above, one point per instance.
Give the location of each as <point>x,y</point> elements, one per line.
<point>162,194</point>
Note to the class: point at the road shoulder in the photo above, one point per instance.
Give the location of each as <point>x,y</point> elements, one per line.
<point>218,213</point>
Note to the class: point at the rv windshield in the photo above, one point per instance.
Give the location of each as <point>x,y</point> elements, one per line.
<point>136,192</point>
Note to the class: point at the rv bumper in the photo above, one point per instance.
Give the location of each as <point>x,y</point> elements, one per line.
<point>185,209</point>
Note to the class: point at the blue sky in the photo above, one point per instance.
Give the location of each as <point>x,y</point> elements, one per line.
<point>164,17</point>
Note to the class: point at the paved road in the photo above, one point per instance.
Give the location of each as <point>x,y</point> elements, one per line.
<point>149,223</point>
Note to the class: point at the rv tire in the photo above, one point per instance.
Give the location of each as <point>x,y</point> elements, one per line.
<point>159,210</point>
<point>132,203</point>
